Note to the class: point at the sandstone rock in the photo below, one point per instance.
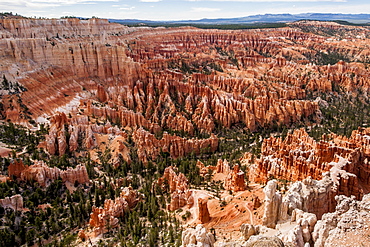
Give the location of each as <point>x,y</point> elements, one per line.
<point>235,180</point>
<point>306,221</point>
<point>256,202</point>
<point>300,235</point>
<point>93,62</point>
<point>294,237</point>
<point>82,235</point>
<point>178,187</point>
<point>14,202</point>
<point>150,147</point>
<point>101,218</point>
<point>4,179</point>
<point>248,230</point>
<point>203,213</point>
<point>203,170</point>
<point>43,174</point>
<point>16,168</point>
<point>272,204</point>
<point>299,156</point>
<point>197,237</point>
<point>262,241</point>
<point>350,217</point>
<point>223,167</point>
<point>311,196</point>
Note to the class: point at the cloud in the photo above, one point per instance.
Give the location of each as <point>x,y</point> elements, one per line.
<point>200,9</point>
<point>128,8</point>
<point>150,1</point>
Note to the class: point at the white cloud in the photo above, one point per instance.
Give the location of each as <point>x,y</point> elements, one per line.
<point>128,8</point>
<point>150,1</point>
<point>204,9</point>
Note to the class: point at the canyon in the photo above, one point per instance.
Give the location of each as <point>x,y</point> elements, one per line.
<point>183,136</point>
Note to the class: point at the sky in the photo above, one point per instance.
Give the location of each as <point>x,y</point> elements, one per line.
<point>178,9</point>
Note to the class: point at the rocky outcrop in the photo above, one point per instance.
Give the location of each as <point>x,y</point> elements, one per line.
<point>312,196</point>
<point>107,217</point>
<point>4,179</point>
<point>203,213</point>
<point>272,204</point>
<point>14,202</point>
<point>77,133</point>
<point>44,174</point>
<point>262,241</point>
<point>249,230</point>
<point>67,27</point>
<point>181,79</point>
<point>16,168</point>
<point>149,147</point>
<point>197,237</point>
<point>223,167</point>
<point>206,170</point>
<point>178,187</point>
<point>299,156</point>
<point>140,81</point>
<point>300,235</point>
<point>235,180</point>
<point>351,217</point>
<point>82,235</point>
<point>348,225</point>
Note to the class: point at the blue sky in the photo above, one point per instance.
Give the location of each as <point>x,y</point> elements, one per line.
<point>177,9</point>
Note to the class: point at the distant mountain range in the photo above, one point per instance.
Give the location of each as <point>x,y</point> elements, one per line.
<point>266,18</point>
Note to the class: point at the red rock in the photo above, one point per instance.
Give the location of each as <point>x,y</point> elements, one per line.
<point>235,180</point>
<point>16,168</point>
<point>203,213</point>
<point>149,147</point>
<point>178,187</point>
<point>102,218</point>
<point>81,59</point>
<point>43,174</point>
<point>82,235</point>
<point>299,156</point>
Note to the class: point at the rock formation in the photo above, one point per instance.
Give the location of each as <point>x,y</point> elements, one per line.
<point>299,157</point>
<point>136,82</point>
<point>107,217</point>
<point>178,187</point>
<point>261,241</point>
<point>310,195</point>
<point>103,86</point>
<point>44,174</point>
<point>197,237</point>
<point>14,202</point>
<point>351,217</point>
<point>272,204</point>
<point>150,147</point>
<point>301,233</point>
<point>249,230</point>
<point>82,235</point>
<point>203,213</point>
<point>235,180</point>
<point>77,134</point>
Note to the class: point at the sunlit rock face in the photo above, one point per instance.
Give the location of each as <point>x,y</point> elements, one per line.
<point>184,81</point>
<point>103,218</point>
<point>299,156</point>
<point>44,175</point>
